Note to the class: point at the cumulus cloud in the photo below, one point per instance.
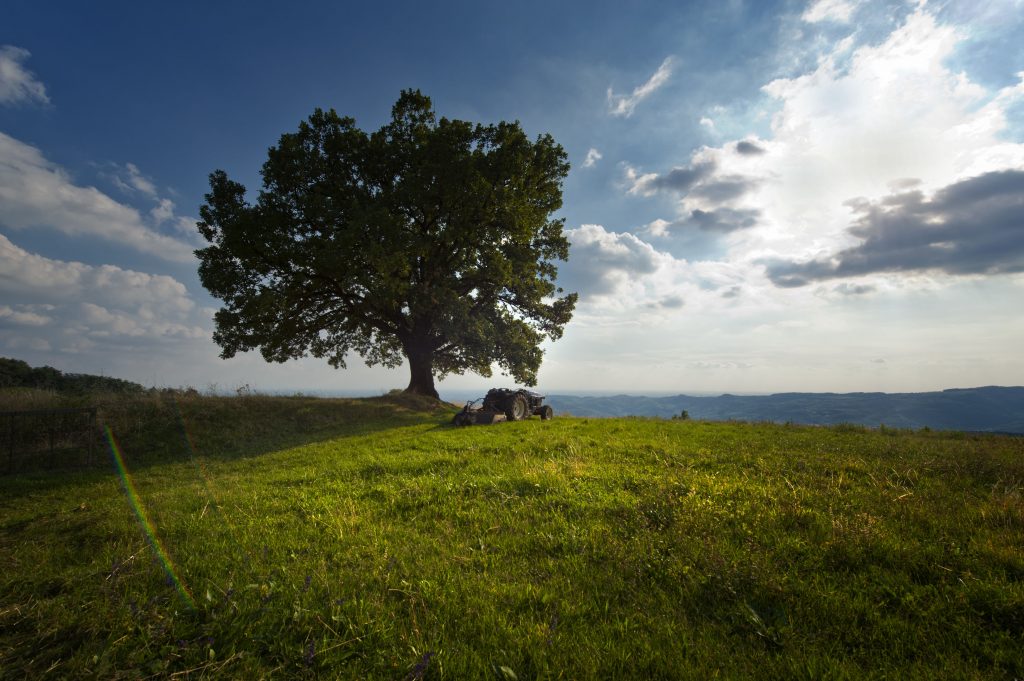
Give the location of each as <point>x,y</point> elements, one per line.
<point>975,226</point>
<point>708,196</point>
<point>74,307</point>
<point>23,315</point>
<point>838,11</point>
<point>35,193</point>
<point>18,84</point>
<point>748,148</point>
<point>875,116</point>
<point>604,261</point>
<point>624,105</point>
<point>722,220</point>
<point>680,180</point>
<point>623,279</point>
<point>717,221</point>
<point>876,121</point>
<point>593,156</point>
<point>37,280</point>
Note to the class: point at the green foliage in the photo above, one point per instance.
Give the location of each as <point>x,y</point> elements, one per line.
<point>426,239</point>
<point>371,540</point>
<point>14,373</point>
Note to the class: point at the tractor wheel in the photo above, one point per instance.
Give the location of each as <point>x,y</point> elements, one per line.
<point>546,413</point>
<point>516,409</point>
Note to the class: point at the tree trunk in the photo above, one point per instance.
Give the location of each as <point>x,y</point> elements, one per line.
<point>421,369</point>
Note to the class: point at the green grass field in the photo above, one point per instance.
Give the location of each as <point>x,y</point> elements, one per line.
<point>259,537</point>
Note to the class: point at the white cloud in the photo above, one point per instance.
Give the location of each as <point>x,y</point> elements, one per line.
<point>136,180</point>
<point>78,317</point>
<point>103,323</point>
<point>57,290</point>
<point>163,211</point>
<point>604,262</point>
<point>896,112</point>
<point>838,11</point>
<point>35,193</point>
<point>623,105</point>
<point>17,84</point>
<point>141,327</point>
<point>867,120</point>
<point>23,315</point>
<point>622,278</point>
<point>593,156</point>
<point>857,125</point>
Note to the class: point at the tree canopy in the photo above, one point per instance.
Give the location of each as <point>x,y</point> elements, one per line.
<point>428,239</point>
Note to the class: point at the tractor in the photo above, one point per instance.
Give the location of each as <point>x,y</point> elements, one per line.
<point>503,404</point>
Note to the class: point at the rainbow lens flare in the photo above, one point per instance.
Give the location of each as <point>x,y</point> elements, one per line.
<point>147,526</point>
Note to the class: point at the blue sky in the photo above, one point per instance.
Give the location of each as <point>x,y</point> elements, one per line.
<point>823,195</point>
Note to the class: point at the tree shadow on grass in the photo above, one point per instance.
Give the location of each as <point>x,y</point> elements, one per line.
<point>152,431</point>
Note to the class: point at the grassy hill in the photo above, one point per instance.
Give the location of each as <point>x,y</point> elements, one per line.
<point>264,537</point>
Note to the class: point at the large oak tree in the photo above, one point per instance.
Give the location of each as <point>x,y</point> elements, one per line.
<point>428,239</point>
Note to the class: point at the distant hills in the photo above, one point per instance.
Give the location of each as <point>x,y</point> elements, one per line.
<point>988,409</point>
<point>991,408</point>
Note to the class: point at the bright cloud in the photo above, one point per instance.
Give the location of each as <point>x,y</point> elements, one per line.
<point>838,11</point>
<point>624,105</point>
<point>593,156</point>
<point>886,195</point>
<point>35,193</point>
<point>616,271</point>
<point>860,124</point>
<point>975,226</point>
<point>71,306</point>
<point>18,84</point>
<point>141,326</point>
<point>606,262</point>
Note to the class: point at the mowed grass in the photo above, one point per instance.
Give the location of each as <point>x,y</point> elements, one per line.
<point>371,540</point>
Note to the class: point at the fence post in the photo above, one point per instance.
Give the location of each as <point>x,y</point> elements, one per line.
<point>93,433</point>
<point>10,444</point>
<point>49,434</point>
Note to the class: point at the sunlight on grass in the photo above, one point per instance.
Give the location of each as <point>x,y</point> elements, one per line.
<point>367,540</point>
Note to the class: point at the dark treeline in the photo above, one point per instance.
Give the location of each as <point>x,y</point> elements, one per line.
<point>14,373</point>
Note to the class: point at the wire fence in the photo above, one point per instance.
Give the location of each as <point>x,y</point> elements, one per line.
<point>49,439</point>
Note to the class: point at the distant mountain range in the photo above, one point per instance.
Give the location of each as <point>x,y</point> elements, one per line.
<point>991,408</point>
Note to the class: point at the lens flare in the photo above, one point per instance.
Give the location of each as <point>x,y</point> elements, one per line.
<point>147,526</point>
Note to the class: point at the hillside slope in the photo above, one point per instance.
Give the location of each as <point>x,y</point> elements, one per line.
<point>290,537</point>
